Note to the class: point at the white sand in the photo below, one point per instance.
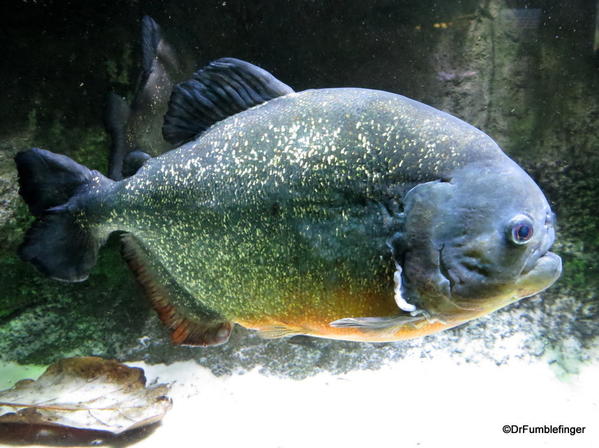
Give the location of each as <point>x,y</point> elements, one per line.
<point>410,403</point>
<point>425,403</point>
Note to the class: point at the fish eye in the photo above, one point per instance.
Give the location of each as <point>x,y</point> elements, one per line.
<point>520,229</point>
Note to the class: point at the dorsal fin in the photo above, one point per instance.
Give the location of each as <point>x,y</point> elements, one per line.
<point>221,89</point>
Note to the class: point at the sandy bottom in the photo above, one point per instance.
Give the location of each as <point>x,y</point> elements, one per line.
<point>413,403</point>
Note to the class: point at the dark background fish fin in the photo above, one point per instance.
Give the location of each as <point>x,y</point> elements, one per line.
<point>223,88</point>
<point>161,69</point>
<point>156,53</point>
<point>150,38</point>
<point>138,125</point>
<point>188,320</point>
<point>116,115</point>
<point>133,162</point>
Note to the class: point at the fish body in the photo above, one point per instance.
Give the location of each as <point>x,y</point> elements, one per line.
<point>274,215</point>
<point>342,213</point>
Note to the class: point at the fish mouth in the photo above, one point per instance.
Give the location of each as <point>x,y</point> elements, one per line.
<point>537,276</point>
<point>540,276</point>
<point>542,248</point>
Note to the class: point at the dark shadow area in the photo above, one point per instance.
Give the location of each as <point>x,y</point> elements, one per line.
<point>15,434</point>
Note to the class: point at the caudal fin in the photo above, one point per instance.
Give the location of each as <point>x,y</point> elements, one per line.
<point>61,243</point>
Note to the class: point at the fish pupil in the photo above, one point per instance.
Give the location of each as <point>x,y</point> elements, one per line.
<point>522,232</point>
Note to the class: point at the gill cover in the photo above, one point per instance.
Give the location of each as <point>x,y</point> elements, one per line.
<point>417,250</point>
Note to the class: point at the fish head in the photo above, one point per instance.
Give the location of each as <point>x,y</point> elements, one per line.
<point>477,240</point>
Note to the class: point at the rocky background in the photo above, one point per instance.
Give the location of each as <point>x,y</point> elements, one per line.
<point>523,71</point>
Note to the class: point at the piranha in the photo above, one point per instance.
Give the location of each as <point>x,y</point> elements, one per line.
<point>342,213</point>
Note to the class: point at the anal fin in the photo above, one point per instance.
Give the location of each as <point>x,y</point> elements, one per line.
<point>188,320</point>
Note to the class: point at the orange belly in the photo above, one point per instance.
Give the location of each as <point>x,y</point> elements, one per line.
<point>313,318</point>
<point>324,330</point>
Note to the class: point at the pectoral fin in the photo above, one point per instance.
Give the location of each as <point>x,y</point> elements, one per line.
<point>278,331</point>
<point>378,323</point>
